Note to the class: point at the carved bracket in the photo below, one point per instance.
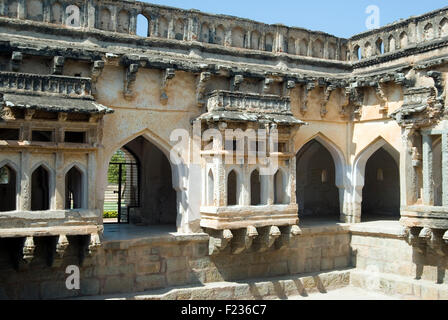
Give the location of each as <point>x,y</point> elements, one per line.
<point>97,69</point>
<point>58,250</point>
<point>131,76</point>
<point>267,85</point>
<point>201,87</point>
<point>58,65</point>
<point>382,96</point>
<point>288,85</point>
<point>89,247</point>
<point>307,88</point>
<point>266,238</point>
<point>288,234</point>
<point>243,239</point>
<point>26,254</point>
<point>236,82</point>
<point>327,94</point>
<point>219,240</point>
<point>16,61</point>
<point>168,75</point>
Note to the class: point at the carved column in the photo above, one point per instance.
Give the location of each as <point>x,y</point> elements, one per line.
<point>428,179</point>
<point>25,182</point>
<point>60,182</point>
<point>445,169</point>
<point>21,9</point>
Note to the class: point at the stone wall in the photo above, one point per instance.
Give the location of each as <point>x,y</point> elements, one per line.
<point>167,261</point>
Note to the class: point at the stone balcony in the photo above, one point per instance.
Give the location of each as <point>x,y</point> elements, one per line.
<point>72,87</point>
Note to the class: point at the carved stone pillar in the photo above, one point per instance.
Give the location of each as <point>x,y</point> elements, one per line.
<point>428,179</point>
<point>445,169</point>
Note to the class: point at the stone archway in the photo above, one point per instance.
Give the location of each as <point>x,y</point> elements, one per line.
<point>383,157</point>
<point>381,192</point>
<point>317,193</point>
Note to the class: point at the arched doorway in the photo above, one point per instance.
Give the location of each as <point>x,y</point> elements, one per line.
<point>317,194</point>
<point>8,189</point>
<point>381,192</point>
<point>140,177</point>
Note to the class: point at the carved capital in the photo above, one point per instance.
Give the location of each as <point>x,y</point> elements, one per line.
<point>219,240</point>
<point>131,76</point>
<point>201,87</point>
<point>243,239</point>
<point>236,82</point>
<point>168,75</point>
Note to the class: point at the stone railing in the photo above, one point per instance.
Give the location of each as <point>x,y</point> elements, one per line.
<point>121,16</point>
<point>33,83</point>
<point>247,102</point>
<point>400,35</point>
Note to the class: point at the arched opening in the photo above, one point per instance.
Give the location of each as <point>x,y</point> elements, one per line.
<point>179,30</point>
<point>368,52</point>
<point>269,43</point>
<point>205,33</point>
<point>255,40</point>
<point>403,40</point>
<point>444,27</point>
<point>379,46</point>
<point>232,189</point>
<point>105,22</point>
<point>428,32</point>
<point>8,191</point>
<point>392,44</point>
<point>381,192</point>
<point>280,192</point>
<point>255,188</point>
<point>357,55</point>
<point>140,188</point>
<point>34,10</point>
<point>74,189</point>
<point>210,189</point>
<point>318,49</point>
<point>292,46</point>
<point>332,51</point>
<point>317,194</point>
<point>303,47</point>
<point>40,189</point>
<point>123,22</point>
<point>56,13</point>
<point>163,28</point>
<point>238,38</point>
<point>142,26</point>
<point>220,35</point>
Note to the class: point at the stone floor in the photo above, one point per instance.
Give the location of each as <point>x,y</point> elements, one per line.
<point>347,294</point>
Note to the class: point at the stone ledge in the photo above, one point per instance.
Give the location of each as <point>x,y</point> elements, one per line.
<point>392,229</point>
<point>271,288</point>
<point>395,285</point>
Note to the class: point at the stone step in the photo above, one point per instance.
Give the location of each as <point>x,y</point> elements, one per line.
<point>263,289</point>
<point>399,286</point>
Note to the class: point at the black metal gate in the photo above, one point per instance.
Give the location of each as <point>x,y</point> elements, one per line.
<point>128,188</point>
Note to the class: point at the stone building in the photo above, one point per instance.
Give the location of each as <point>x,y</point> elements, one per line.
<point>357,129</point>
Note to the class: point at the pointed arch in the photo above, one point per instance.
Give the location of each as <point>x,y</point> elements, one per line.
<point>366,198</point>
<point>281,195</point>
<point>10,187</point>
<point>337,155</point>
<point>76,186</point>
<point>210,188</point>
<point>255,188</point>
<point>233,188</point>
<point>444,27</point>
<point>359,167</point>
<point>42,187</point>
